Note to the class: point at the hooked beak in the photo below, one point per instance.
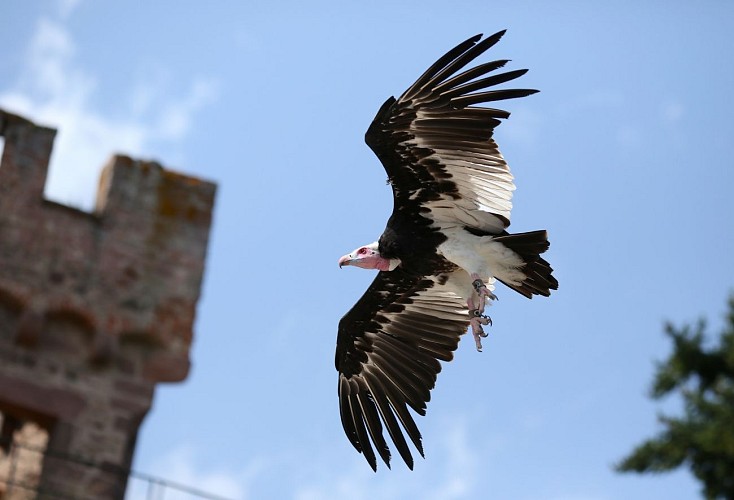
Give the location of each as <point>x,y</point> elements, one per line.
<point>345,261</point>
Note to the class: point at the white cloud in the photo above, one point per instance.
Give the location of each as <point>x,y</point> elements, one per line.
<point>66,7</point>
<point>55,90</point>
<point>181,471</point>
<point>450,472</point>
<point>175,119</point>
<point>672,112</point>
<point>49,73</point>
<point>460,473</point>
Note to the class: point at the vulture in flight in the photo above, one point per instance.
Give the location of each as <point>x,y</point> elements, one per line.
<point>444,247</point>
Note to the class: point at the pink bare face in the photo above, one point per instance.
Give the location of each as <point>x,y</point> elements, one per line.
<point>364,257</point>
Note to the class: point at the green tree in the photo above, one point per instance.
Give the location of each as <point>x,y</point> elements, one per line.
<point>703,438</point>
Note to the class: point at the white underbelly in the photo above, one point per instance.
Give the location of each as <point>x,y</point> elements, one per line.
<point>481,255</point>
<point>460,283</point>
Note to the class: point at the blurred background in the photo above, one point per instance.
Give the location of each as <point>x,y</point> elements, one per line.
<point>625,156</point>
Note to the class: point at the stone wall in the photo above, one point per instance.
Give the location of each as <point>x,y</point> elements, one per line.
<point>95,308</point>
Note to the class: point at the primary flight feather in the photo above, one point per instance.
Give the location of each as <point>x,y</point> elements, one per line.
<point>444,246</point>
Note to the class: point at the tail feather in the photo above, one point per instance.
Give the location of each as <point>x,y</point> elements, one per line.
<point>539,278</point>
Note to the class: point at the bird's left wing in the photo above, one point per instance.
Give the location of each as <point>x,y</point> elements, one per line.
<point>436,144</point>
<point>387,354</point>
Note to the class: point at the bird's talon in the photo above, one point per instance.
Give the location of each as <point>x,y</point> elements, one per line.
<point>482,291</point>
<point>482,319</point>
<point>476,322</point>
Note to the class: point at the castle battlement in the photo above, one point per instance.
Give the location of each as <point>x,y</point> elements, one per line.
<point>95,308</point>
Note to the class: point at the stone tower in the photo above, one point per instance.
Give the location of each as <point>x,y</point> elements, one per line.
<point>95,308</point>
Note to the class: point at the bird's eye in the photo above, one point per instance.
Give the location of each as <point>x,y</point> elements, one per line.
<point>362,251</point>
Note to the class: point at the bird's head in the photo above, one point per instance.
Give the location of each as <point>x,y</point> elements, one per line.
<point>368,257</point>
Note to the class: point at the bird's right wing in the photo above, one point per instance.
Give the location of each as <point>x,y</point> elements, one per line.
<point>387,354</point>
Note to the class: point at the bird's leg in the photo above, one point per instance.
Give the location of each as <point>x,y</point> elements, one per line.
<point>482,291</point>
<point>476,320</point>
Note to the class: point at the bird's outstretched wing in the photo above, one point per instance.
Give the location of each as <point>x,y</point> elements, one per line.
<point>437,146</point>
<point>388,351</point>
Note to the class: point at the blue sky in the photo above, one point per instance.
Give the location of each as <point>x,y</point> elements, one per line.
<point>625,156</point>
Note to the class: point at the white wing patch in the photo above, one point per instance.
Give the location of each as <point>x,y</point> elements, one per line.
<point>435,302</point>
<point>483,179</point>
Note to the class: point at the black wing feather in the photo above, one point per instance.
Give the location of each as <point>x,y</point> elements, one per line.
<point>483,83</point>
<point>378,392</point>
<point>387,356</point>
<point>439,65</point>
<point>491,95</point>
<point>470,74</point>
<point>358,419</point>
<point>420,136</point>
<point>372,418</point>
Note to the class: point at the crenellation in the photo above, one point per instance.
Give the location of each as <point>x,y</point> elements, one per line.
<point>25,158</point>
<point>95,308</point>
